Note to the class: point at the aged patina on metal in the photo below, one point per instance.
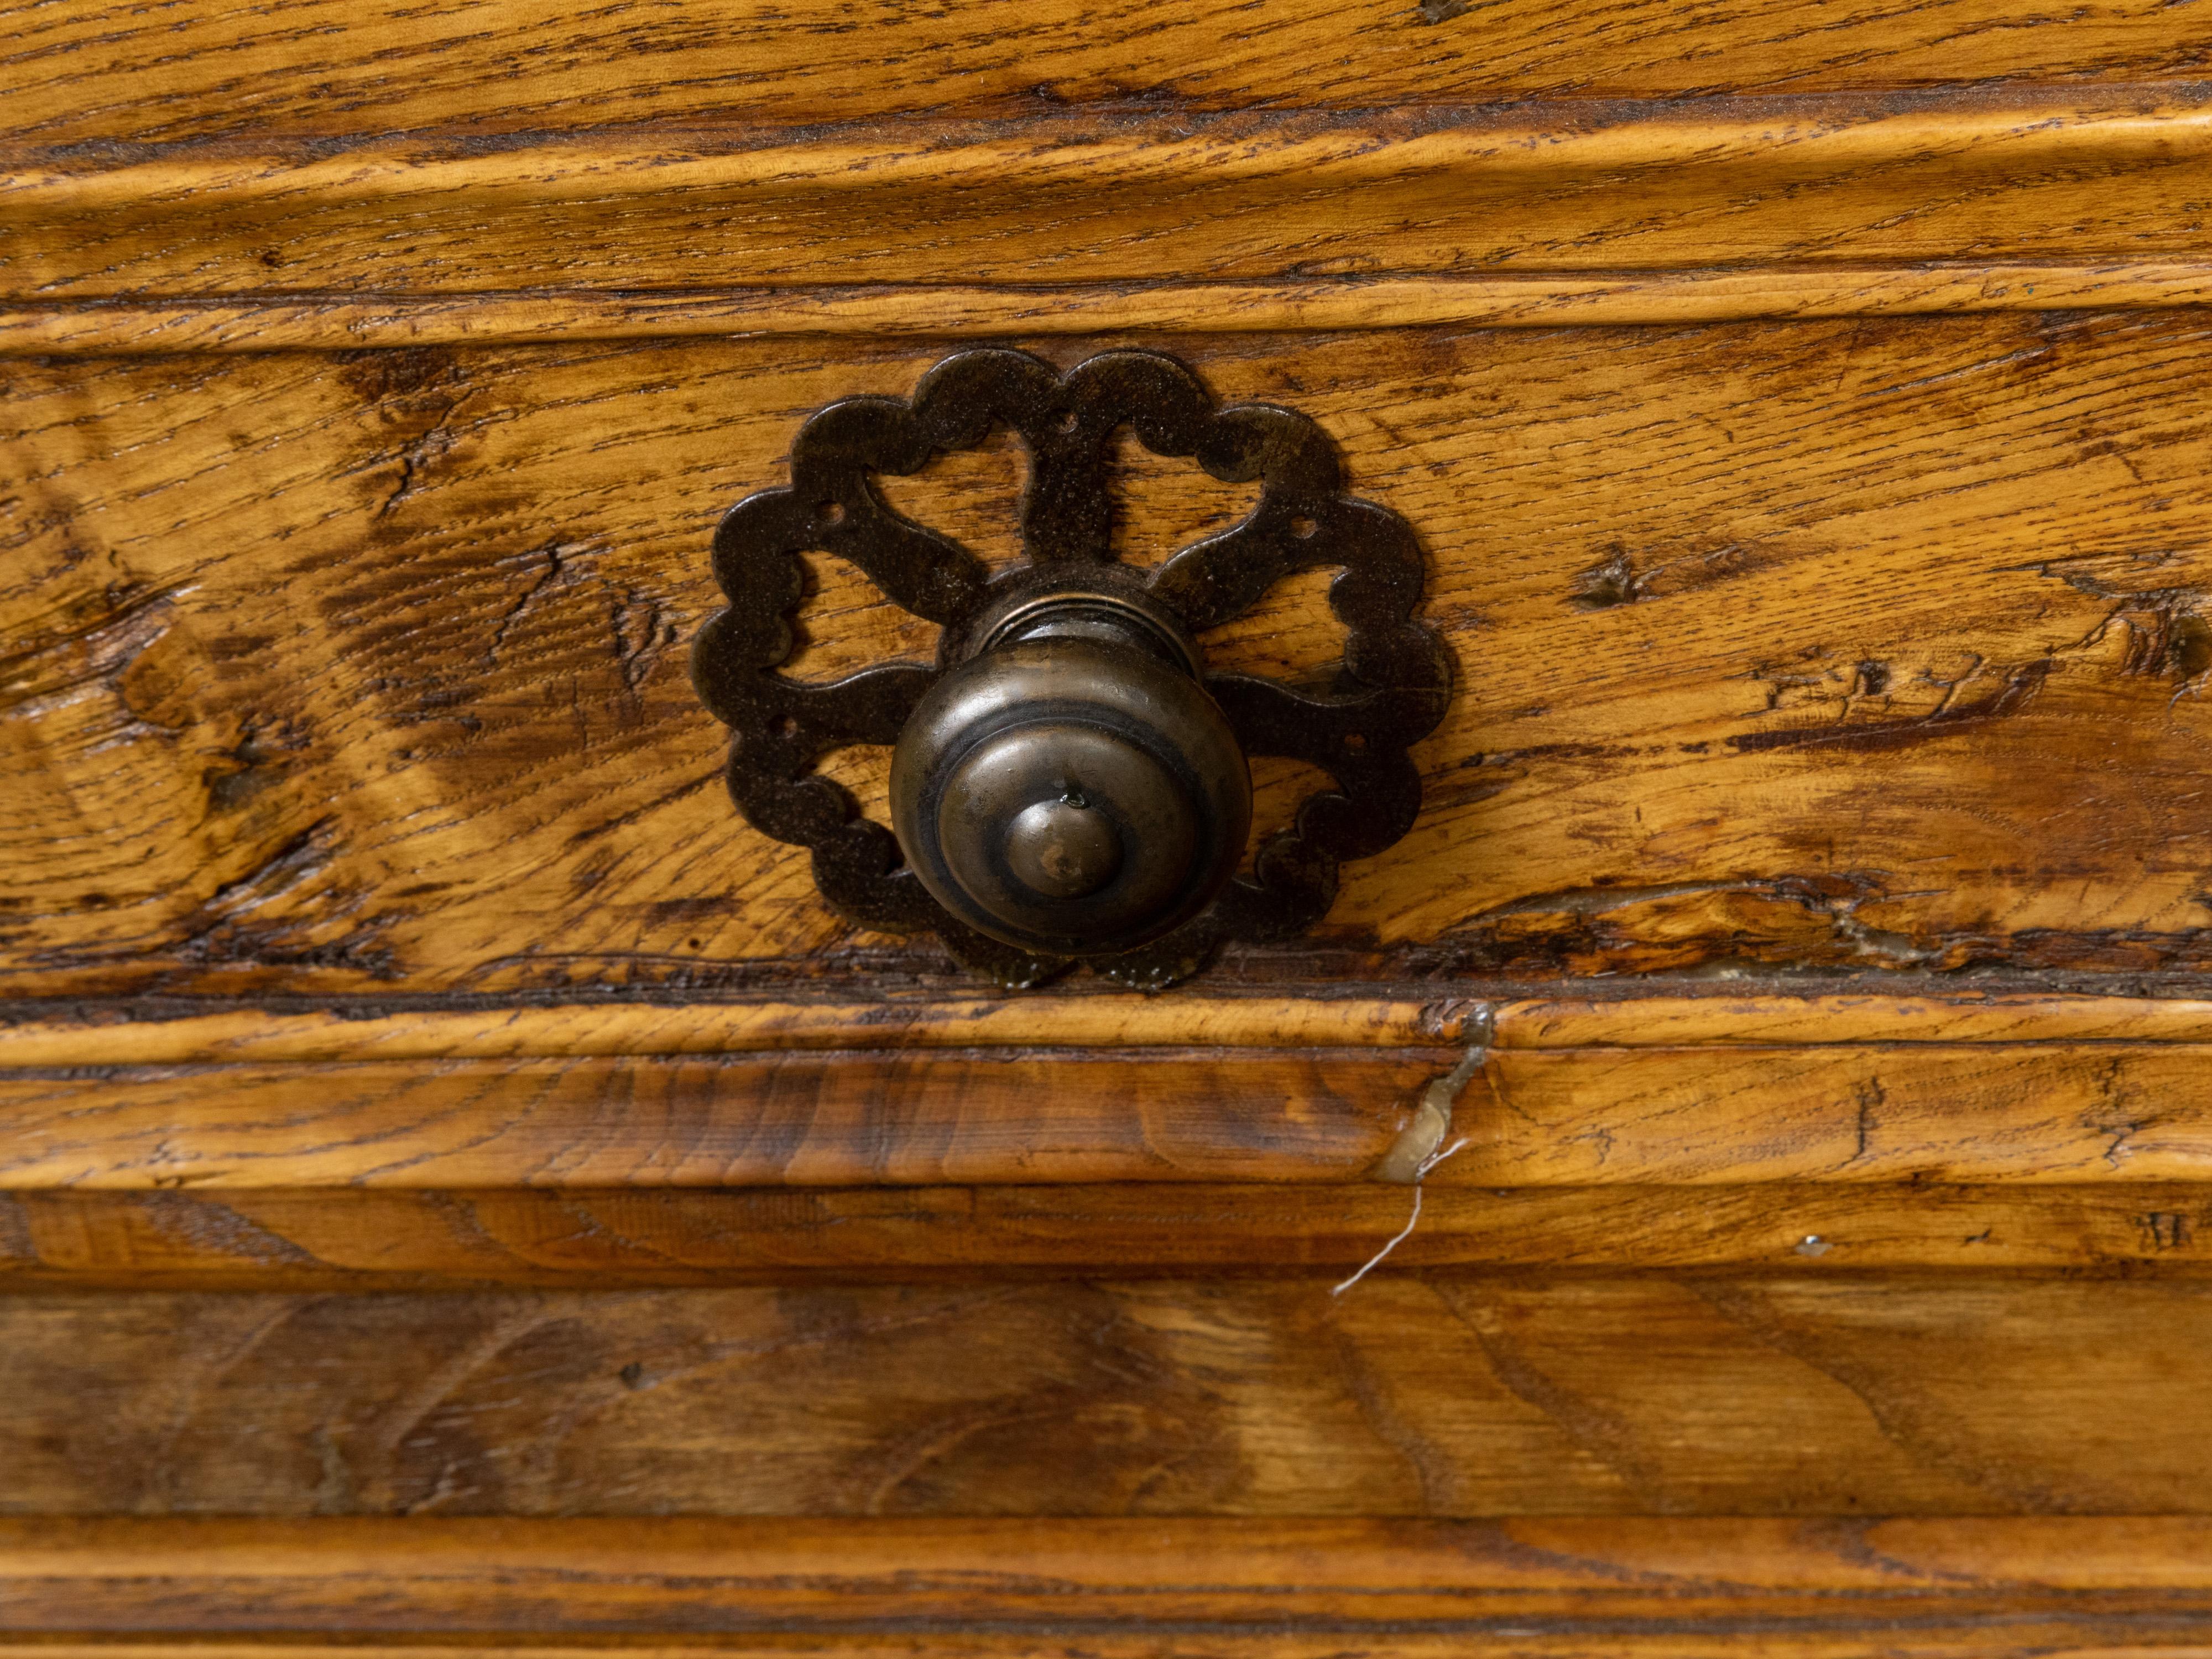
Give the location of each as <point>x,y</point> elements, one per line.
<point>1073,795</point>
<point>1070,784</point>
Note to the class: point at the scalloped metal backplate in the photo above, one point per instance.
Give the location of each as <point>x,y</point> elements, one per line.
<point>1389,689</point>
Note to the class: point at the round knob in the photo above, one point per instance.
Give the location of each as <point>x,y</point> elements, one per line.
<point>1064,848</point>
<point>1071,792</point>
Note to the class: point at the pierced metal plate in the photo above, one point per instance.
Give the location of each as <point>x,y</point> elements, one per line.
<point>1389,689</point>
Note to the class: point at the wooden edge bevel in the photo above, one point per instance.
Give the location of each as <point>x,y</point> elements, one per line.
<point>1548,144</point>
<point>217,1031</point>
<point>2126,1582</point>
<point>1957,198</point>
<point>955,312</point>
<point>121,1034</point>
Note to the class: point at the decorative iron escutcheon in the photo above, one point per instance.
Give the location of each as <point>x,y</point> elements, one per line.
<point>1070,782</point>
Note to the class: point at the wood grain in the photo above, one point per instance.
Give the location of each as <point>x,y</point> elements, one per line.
<point>158,1031</point>
<point>2120,1113</point>
<point>1928,1112</point>
<point>814,1118</point>
<point>99,71</point>
<point>2025,1638</point>
<point>1651,1018</point>
<point>2070,175</point>
<point>1431,1393</point>
<point>424,1100</point>
<point>1910,1586</point>
<point>952,311</point>
<point>1876,645</point>
<point>383,1239</point>
<point>865,1018</point>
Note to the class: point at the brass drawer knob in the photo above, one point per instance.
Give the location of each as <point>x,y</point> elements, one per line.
<point>1069,782</point>
<point>1071,788</point>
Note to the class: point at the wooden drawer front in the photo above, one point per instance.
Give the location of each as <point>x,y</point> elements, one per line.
<point>463,1189</point>
<point>1871,644</point>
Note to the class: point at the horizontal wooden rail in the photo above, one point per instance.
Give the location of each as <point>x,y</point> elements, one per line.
<point>364,1239</point>
<point>1568,1091</point>
<point>211,1031</point>
<point>1030,1586</point>
<point>122,1033</point>
<point>2045,1113</point>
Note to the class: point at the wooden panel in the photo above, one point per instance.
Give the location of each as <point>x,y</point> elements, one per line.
<point>2032,1113</point>
<point>383,1239</point>
<point>2065,175</point>
<point>1433,1395</point>
<point>1869,645</point>
<point>1901,1587</point>
<point>90,71</point>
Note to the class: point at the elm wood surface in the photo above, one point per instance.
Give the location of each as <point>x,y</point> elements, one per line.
<point>101,71</point>
<point>873,1017</point>
<point>946,311</point>
<point>2069,174</point>
<point>1652,1015</point>
<point>371,792</point>
<point>1432,1393</point>
<point>1609,1585</point>
<point>2055,1114</point>
<point>378,1239</point>
<point>1866,645</point>
<point>813,1118</point>
<point>1203,1015</point>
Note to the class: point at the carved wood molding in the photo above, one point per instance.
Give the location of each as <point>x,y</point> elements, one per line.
<point>1626,1585</point>
<point>2069,175</point>
<point>968,311</point>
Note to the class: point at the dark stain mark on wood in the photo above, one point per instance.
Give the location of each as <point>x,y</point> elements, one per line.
<point>2168,1229</point>
<point>254,763</point>
<point>2013,694</point>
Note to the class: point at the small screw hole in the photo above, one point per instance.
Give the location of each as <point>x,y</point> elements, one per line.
<point>1068,421</point>
<point>1355,742</point>
<point>831,513</point>
<point>1303,528</point>
<point>783,726</point>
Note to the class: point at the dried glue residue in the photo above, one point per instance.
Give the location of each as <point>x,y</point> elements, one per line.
<point>1414,1153</point>
<point>1420,1147</point>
